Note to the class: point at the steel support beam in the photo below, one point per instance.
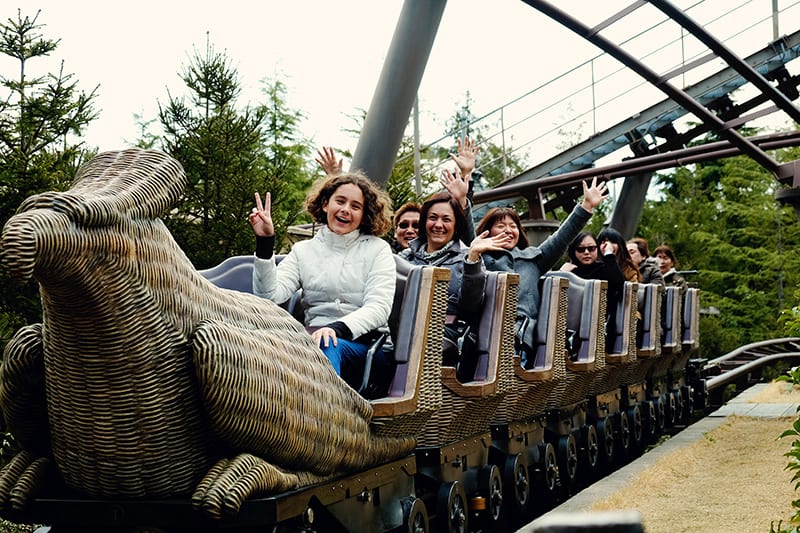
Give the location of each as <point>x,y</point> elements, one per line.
<point>630,202</point>
<point>397,88</point>
<point>679,96</point>
<point>736,62</point>
<point>647,120</point>
<point>651,163</point>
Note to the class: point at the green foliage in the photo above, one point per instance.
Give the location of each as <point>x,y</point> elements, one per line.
<point>401,186</point>
<point>721,219</point>
<point>793,377</point>
<point>228,154</point>
<point>39,120</point>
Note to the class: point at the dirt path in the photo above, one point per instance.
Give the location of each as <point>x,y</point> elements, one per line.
<point>734,479</point>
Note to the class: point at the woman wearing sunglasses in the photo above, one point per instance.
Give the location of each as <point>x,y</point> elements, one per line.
<point>406,225</point>
<point>530,262</point>
<point>590,261</point>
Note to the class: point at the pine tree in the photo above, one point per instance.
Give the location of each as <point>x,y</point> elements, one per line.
<point>721,219</point>
<point>228,154</point>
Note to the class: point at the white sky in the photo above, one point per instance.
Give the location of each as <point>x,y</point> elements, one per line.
<point>328,53</point>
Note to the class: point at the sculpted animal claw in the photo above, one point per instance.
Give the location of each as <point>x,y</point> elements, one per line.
<point>229,483</point>
<point>21,479</point>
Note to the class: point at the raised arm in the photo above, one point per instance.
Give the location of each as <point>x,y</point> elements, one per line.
<point>466,157</point>
<point>326,158</point>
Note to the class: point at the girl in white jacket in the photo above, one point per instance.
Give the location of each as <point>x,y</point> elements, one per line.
<point>346,271</point>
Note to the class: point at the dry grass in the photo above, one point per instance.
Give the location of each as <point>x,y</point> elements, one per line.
<point>778,392</point>
<point>732,480</point>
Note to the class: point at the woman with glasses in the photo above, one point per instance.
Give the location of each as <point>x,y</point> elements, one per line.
<point>531,262</point>
<point>406,225</point>
<point>590,261</point>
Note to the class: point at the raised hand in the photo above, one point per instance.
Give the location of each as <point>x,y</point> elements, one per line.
<point>261,217</point>
<point>594,195</point>
<point>456,185</point>
<point>483,243</point>
<point>467,154</point>
<point>326,158</point>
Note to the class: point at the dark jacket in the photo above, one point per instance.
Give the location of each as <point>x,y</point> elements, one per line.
<point>650,272</point>
<point>531,263</point>
<point>673,279</point>
<point>608,269</point>
<point>467,280</point>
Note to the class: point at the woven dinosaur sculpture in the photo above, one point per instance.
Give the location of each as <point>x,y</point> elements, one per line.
<point>144,379</point>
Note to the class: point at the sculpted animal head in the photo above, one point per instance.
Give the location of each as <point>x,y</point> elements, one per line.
<point>113,189</point>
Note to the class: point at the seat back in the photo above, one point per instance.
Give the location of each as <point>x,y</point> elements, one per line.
<point>671,320</point>
<point>586,316</point>
<point>691,317</point>
<point>234,273</point>
<point>418,343</point>
<point>551,323</point>
<point>490,328</point>
<point>622,330</point>
<point>648,336</point>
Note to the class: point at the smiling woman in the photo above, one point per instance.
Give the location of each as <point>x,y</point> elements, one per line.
<point>346,272</point>
<point>442,221</point>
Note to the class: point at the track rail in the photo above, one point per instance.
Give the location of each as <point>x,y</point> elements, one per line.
<point>746,360</point>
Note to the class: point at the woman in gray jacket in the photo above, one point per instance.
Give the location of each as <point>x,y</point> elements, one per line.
<point>531,262</point>
<point>346,271</point>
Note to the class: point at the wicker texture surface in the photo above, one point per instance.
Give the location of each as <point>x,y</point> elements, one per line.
<point>527,399</point>
<point>429,384</point>
<point>666,361</point>
<point>153,374</point>
<point>461,416</point>
<point>575,386</point>
<point>615,374</point>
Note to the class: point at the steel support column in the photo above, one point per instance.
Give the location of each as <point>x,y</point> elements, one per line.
<point>397,88</point>
<point>628,210</point>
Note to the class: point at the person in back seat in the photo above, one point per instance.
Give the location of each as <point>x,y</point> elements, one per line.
<point>667,263</point>
<point>629,267</point>
<point>648,266</point>
<point>589,261</point>
<point>531,262</point>
<point>406,225</point>
<point>442,220</point>
<point>346,271</point>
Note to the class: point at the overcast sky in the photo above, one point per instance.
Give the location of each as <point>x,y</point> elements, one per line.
<point>328,53</point>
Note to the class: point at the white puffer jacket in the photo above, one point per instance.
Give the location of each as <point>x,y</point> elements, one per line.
<point>348,278</point>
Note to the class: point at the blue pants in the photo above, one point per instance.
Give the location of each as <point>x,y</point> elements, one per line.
<point>348,360</point>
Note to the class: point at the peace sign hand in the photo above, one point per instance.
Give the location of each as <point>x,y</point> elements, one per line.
<point>261,217</point>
